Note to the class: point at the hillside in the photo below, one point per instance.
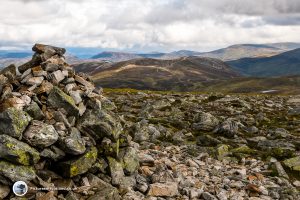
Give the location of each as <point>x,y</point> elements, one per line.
<point>243,50</point>
<point>229,53</point>
<point>285,45</point>
<point>284,64</point>
<point>272,85</point>
<point>178,74</point>
<point>115,56</point>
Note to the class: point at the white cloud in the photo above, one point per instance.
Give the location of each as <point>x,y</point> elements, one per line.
<point>148,24</point>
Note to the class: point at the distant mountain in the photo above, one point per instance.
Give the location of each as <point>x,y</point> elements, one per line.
<point>8,54</point>
<point>287,46</point>
<point>243,51</point>
<point>91,67</point>
<point>233,52</point>
<point>115,56</point>
<point>4,62</point>
<point>154,74</point>
<point>122,56</point>
<point>284,64</point>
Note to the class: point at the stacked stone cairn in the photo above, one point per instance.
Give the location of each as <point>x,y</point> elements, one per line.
<point>57,131</point>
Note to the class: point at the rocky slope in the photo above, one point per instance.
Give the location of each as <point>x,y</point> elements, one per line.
<point>214,146</point>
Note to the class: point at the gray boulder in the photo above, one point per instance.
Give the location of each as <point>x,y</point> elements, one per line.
<point>13,122</point>
<point>53,153</point>
<point>17,152</point>
<point>17,172</point>
<point>73,144</point>
<point>277,148</point>
<point>79,165</point>
<point>130,160</point>
<point>116,171</point>
<point>58,99</point>
<point>205,122</point>
<point>40,134</point>
<point>99,124</point>
<point>104,190</point>
<point>34,111</point>
<point>228,128</point>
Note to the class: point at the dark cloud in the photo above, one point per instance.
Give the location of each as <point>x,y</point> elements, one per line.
<point>283,20</point>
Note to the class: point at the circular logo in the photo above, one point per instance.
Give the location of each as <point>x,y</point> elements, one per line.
<point>20,188</point>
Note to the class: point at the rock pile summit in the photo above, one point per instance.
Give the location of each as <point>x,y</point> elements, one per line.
<point>57,131</point>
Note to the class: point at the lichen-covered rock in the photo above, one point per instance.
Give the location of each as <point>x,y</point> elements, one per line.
<point>78,165</point>
<point>109,148</point>
<point>142,131</point>
<point>130,160</point>
<point>13,122</point>
<point>222,151</point>
<point>277,148</point>
<point>16,172</point>
<point>106,104</point>
<point>99,124</point>
<point>40,134</point>
<point>34,111</point>
<point>228,128</point>
<point>293,164</point>
<point>53,153</point>
<point>73,143</point>
<point>58,99</point>
<point>205,122</point>
<point>207,140</point>
<point>105,191</point>
<point>244,150</point>
<point>16,151</point>
<point>116,171</point>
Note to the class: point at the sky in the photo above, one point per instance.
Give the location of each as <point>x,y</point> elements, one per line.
<point>147,25</point>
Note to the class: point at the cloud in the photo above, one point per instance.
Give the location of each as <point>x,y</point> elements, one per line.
<point>149,24</point>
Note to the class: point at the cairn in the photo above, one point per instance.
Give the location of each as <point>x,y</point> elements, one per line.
<point>57,130</point>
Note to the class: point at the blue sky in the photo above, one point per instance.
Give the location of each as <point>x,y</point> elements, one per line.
<point>148,25</point>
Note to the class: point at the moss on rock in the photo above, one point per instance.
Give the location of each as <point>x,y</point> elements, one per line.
<point>13,122</point>
<point>16,172</point>
<point>58,99</point>
<point>293,164</point>
<point>79,165</point>
<point>17,152</point>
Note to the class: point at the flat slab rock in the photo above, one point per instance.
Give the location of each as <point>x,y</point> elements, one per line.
<point>168,189</point>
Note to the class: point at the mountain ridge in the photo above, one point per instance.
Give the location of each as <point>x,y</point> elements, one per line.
<point>287,63</point>
<point>149,73</point>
